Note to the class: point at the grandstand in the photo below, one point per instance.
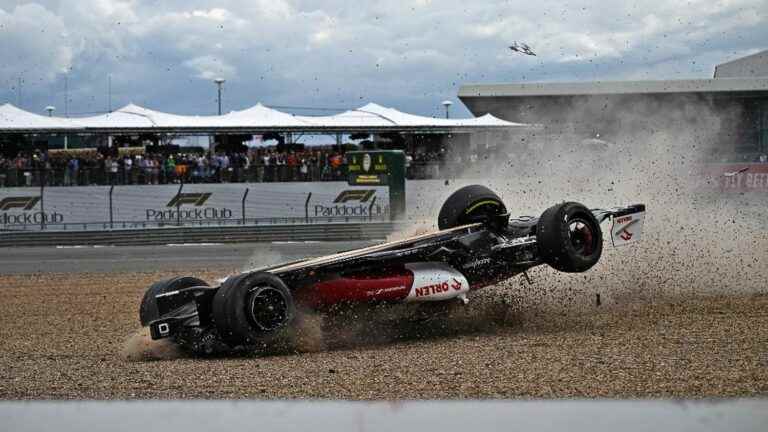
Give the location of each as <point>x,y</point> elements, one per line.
<point>134,145</point>
<point>734,104</point>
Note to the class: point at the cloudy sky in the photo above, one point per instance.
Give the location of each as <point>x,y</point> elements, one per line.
<point>409,54</point>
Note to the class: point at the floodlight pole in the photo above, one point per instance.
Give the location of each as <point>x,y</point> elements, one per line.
<point>66,95</point>
<point>219,82</point>
<point>109,93</point>
<point>447,104</point>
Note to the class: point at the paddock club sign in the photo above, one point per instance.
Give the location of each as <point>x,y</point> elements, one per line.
<point>188,207</point>
<point>20,210</point>
<point>351,203</point>
<point>191,206</point>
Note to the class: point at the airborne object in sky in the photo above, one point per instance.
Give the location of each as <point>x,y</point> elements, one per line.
<point>522,48</point>
<point>477,245</point>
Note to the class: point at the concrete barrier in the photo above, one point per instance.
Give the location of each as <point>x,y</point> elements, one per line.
<point>261,233</point>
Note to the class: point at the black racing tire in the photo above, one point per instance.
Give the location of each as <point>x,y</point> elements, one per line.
<point>569,237</point>
<point>252,308</point>
<point>148,309</point>
<point>470,204</point>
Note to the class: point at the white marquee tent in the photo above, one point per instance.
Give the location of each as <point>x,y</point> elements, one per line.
<point>13,119</point>
<point>377,115</point>
<point>259,118</point>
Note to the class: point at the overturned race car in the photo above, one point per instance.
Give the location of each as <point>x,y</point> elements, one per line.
<point>477,245</point>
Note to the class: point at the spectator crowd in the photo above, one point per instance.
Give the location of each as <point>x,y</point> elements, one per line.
<point>92,167</point>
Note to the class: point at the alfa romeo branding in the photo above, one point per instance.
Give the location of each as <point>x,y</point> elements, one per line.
<point>627,229</point>
<point>20,211</point>
<point>188,206</point>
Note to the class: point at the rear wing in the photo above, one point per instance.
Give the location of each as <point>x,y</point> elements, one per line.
<point>626,223</point>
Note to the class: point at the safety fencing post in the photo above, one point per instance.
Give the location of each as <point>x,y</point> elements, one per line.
<point>306,208</point>
<point>178,204</point>
<point>111,189</point>
<point>245,195</point>
<point>370,208</point>
<point>42,200</point>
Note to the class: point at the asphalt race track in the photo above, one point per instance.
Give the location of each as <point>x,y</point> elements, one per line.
<point>68,312</point>
<point>76,259</point>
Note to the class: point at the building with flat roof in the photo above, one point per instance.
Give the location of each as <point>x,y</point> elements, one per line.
<point>732,106</point>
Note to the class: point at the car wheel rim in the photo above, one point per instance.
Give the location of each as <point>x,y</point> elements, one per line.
<point>581,237</point>
<point>482,210</point>
<point>268,308</point>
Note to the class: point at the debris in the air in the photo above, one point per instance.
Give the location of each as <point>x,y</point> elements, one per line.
<point>522,48</point>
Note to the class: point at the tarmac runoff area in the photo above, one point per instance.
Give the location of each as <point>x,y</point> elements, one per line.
<point>180,256</point>
<point>65,324</point>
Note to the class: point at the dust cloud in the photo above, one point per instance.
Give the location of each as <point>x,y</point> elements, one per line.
<point>263,256</point>
<point>696,240</point>
<point>141,347</point>
<point>353,326</point>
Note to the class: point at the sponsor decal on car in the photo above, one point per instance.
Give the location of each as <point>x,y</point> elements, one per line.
<point>627,229</point>
<point>477,263</point>
<point>438,288</point>
<point>436,281</point>
<point>380,291</point>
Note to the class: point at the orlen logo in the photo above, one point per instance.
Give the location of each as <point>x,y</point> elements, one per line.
<point>25,203</point>
<point>438,288</point>
<point>173,211</point>
<point>28,217</point>
<point>362,195</point>
<point>196,199</point>
<point>351,202</point>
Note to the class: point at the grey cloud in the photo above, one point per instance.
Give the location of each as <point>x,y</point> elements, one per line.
<point>408,53</point>
<point>31,44</point>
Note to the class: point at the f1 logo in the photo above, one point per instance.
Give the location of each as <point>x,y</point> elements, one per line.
<point>362,195</point>
<point>24,203</point>
<point>196,199</point>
